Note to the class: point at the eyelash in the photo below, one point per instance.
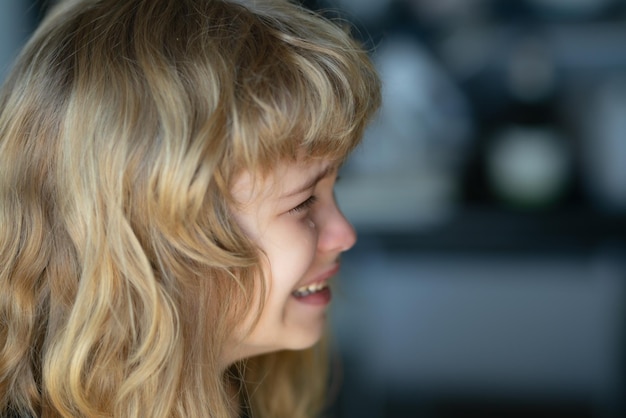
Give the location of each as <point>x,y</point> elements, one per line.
<point>304,205</point>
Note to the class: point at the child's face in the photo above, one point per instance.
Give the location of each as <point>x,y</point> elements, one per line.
<point>295,220</point>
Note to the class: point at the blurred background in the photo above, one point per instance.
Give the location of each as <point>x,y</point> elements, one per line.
<point>489,195</point>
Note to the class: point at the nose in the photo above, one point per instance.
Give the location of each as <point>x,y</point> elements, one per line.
<point>336,234</point>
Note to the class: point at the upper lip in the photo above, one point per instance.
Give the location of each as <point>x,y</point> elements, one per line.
<point>323,276</point>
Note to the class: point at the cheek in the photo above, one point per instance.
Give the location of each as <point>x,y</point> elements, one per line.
<point>291,251</point>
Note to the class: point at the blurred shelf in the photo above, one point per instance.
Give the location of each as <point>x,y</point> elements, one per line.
<point>493,230</point>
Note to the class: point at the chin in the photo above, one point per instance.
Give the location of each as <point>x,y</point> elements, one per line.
<point>302,342</point>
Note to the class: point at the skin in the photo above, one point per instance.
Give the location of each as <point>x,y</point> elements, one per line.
<point>294,218</point>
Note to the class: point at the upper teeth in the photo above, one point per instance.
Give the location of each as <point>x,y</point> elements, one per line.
<point>312,288</point>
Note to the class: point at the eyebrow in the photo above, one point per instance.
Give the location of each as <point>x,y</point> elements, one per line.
<point>311,182</point>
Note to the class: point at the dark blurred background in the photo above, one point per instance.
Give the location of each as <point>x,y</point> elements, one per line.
<point>489,195</point>
<point>490,198</point>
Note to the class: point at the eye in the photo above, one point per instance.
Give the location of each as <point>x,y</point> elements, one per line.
<point>304,205</point>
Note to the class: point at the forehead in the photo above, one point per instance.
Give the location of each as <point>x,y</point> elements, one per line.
<point>284,178</point>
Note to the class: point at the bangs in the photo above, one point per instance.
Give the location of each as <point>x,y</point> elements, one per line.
<point>305,93</point>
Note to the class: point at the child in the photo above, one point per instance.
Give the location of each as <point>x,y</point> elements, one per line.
<point>168,224</point>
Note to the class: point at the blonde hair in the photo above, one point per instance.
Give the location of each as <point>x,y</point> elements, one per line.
<point>122,127</point>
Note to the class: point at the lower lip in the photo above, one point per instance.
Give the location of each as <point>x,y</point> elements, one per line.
<point>320,298</point>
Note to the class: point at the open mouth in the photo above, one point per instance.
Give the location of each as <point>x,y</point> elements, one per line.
<point>311,289</point>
